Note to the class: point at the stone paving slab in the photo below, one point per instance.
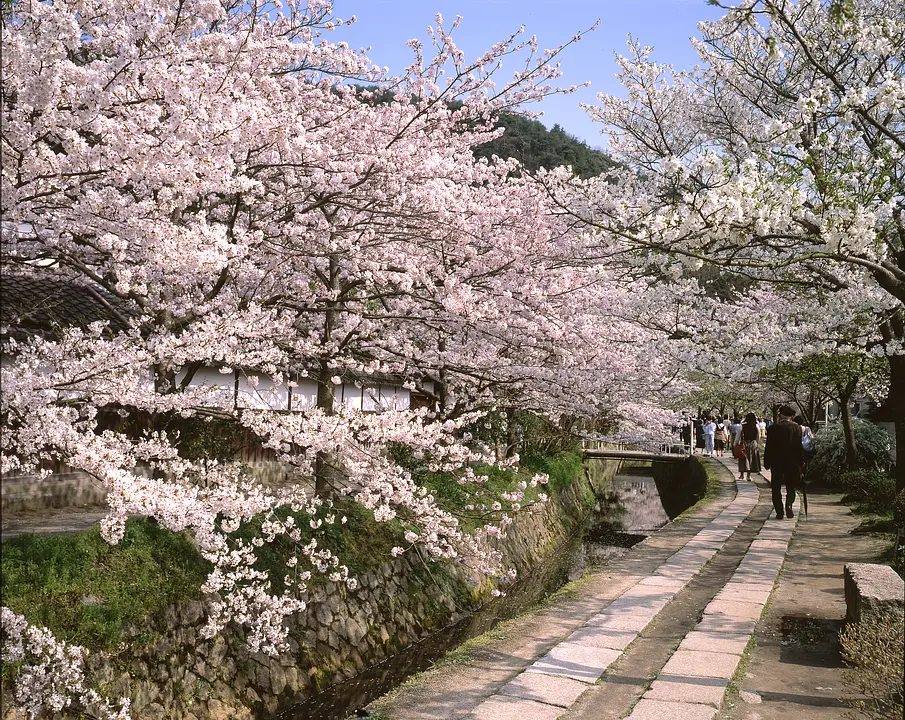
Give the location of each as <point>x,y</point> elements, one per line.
<point>761,575</point>
<point>688,689</point>
<point>579,662</point>
<point>744,595</point>
<point>549,689</point>
<point>701,663</point>
<point>721,642</point>
<point>678,570</point>
<point>737,585</point>
<point>735,609</point>
<point>631,623</point>
<point>720,623</point>
<point>504,707</point>
<point>773,546</point>
<point>640,605</point>
<point>701,554</point>
<point>664,582</point>
<point>603,637</point>
<point>659,710</point>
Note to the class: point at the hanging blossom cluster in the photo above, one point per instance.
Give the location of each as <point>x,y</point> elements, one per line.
<point>771,176</point>
<point>50,673</point>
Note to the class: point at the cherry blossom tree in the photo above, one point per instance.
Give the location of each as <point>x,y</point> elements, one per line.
<point>779,161</point>
<point>208,167</point>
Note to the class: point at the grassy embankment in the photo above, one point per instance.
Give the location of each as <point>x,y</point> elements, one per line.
<point>89,592</point>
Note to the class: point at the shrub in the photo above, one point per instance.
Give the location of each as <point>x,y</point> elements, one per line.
<point>828,463</point>
<point>871,491</point>
<point>899,510</point>
<point>873,651</point>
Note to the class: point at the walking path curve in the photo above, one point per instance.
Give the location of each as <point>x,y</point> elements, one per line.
<point>658,635</point>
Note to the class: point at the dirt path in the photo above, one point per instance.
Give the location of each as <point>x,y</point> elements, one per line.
<point>795,670</point>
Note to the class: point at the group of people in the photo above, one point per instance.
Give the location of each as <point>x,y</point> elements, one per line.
<point>787,445</point>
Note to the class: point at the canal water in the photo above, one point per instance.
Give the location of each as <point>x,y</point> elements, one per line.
<point>629,510</point>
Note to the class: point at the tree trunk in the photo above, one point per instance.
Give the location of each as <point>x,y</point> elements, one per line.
<point>848,430</point>
<point>325,463</point>
<point>896,401</point>
<point>511,432</point>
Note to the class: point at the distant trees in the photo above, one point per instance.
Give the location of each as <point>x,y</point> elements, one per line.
<point>779,160</point>
<point>529,142</point>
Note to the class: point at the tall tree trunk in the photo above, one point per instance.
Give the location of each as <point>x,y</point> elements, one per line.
<point>848,429</point>
<point>896,400</point>
<point>325,463</point>
<point>511,432</point>
<point>811,415</point>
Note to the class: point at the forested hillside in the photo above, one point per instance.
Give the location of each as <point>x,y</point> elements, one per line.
<point>534,146</point>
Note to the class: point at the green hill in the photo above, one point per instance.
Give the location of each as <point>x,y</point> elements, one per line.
<point>529,142</point>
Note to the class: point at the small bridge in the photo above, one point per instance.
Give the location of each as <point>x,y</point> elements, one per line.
<point>633,449</point>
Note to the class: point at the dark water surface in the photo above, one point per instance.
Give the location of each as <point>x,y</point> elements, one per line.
<point>627,512</point>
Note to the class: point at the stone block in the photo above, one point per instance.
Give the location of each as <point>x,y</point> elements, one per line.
<point>734,609</point>
<point>549,689</point>
<point>872,589</point>
<point>720,642</point>
<point>505,707</point>
<point>659,710</point>
<point>669,583</point>
<point>576,661</point>
<point>628,623</point>
<point>700,663</point>
<point>741,593</point>
<point>603,637</point>
<point>688,689</point>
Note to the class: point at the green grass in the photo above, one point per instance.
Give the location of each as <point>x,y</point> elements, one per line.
<point>563,468</point>
<point>87,591</point>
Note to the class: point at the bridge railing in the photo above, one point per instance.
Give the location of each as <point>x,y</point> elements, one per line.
<point>640,443</point>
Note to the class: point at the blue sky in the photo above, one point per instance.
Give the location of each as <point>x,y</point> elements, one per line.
<point>386,25</point>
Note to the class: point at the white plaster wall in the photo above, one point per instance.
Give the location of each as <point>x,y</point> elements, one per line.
<point>304,394</point>
<point>264,395</point>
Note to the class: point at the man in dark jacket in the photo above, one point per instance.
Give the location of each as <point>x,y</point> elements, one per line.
<point>783,456</point>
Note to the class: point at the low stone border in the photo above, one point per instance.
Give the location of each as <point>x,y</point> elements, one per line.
<point>692,683</point>
<point>546,689</point>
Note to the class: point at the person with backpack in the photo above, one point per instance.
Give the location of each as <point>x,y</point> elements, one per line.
<point>783,456</point>
<point>807,445</point>
<point>750,436</point>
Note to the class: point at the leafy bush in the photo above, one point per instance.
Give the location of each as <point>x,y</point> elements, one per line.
<point>899,509</point>
<point>869,490</point>
<point>873,651</point>
<point>828,463</point>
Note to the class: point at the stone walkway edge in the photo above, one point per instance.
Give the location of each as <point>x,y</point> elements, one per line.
<point>692,683</point>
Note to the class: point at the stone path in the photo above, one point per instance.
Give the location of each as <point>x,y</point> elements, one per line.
<point>618,662</point>
<point>692,683</point>
<point>552,684</point>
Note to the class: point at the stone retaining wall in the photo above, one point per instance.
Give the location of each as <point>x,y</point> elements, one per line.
<point>177,675</point>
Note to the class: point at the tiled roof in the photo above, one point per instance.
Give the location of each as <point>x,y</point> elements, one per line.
<point>31,305</point>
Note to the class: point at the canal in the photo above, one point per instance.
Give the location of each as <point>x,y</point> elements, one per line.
<point>629,509</point>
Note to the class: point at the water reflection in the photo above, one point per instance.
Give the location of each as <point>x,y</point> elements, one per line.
<point>627,511</point>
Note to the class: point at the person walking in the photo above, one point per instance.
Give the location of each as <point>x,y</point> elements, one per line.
<point>686,433</point>
<point>719,437</point>
<point>750,435</point>
<point>699,434</point>
<point>783,457</point>
<point>709,433</point>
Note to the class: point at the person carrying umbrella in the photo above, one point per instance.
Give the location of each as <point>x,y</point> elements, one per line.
<point>783,456</point>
